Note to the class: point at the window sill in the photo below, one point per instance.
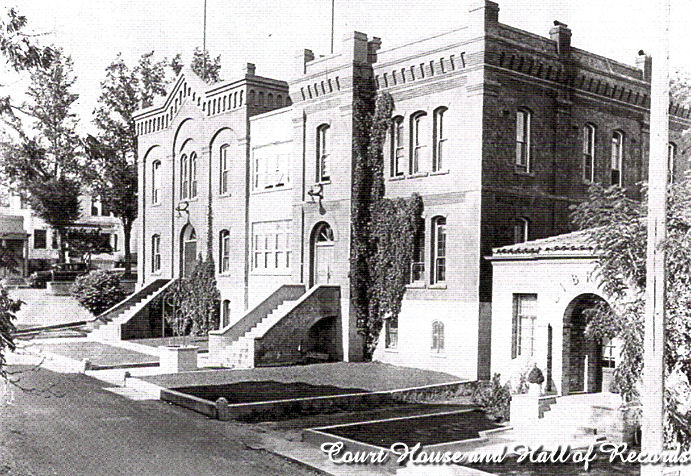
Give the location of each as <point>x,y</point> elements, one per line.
<point>224,195</point>
<point>225,274</point>
<point>438,355</point>
<point>157,204</point>
<point>524,173</point>
<point>439,172</point>
<point>391,350</point>
<point>418,175</point>
<point>416,285</point>
<point>267,273</point>
<point>259,191</point>
<point>157,273</point>
<point>397,177</point>
<point>188,200</point>
<point>437,286</point>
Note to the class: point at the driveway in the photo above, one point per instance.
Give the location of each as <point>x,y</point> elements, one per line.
<point>79,428</point>
<point>43,309</point>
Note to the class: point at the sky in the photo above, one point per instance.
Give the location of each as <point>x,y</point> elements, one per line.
<point>270,32</point>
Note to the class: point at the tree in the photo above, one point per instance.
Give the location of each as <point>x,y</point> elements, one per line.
<point>7,309</point>
<point>112,156</point>
<point>617,227</point>
<point>207,69</point>
<point>42,160</point>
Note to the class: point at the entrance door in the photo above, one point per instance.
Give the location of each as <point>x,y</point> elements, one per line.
<point>189,250</point>
<point>322,255</point>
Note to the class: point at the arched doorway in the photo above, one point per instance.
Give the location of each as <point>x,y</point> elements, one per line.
<point>188,250</point>
<point>322,337</point>
<point>581,356</point>
<point>322,244</point>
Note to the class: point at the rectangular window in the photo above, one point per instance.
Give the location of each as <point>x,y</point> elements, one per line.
<point>608,354</point>
<point>271,169</point>
<point>40,239</point>
<point>417,267</point>
<point>95,207</point>
<point>156,182</point>
<point>114,241</point>
<point>225,251</point>
<point>155,253</point>
<point>193,175</point>
<point>271,246</point>
<point>224,170</point>
<point>589,153</point>
<point>438,250</point>
<point>322,154</point>
<point>671,152</point>
<point>54,242</point>
<point>418,143</point>
<point>523,141</point>
<point>391,335</point>
<point>617,155</point>
<point>524,317</point>
<point>397,148</point>
<point>439,139</point>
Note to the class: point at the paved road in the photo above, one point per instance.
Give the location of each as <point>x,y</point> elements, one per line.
<point>85,429</point>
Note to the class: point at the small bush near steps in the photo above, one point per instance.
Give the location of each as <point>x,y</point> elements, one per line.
<point>494,398</point>
<point>98,291</point>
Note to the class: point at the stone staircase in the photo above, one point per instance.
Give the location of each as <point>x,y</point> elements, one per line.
<point>582,414</point>
<point>108,325</point>
<point>241,351</point>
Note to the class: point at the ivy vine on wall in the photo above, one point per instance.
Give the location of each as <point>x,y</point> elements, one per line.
<point>383,230</point>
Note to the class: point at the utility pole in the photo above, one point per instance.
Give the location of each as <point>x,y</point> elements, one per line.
<point>654,339</point>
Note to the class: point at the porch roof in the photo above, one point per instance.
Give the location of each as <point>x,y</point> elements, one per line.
<point>574,244</point>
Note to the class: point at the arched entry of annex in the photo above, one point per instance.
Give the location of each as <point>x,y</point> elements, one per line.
<point>188,250</point>
<point>582,362</point>
<point>322,254</point>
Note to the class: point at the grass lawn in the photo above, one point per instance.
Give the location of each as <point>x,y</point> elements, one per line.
<point>372,376</point>
<point>250,392</point>
<point>427,430</point>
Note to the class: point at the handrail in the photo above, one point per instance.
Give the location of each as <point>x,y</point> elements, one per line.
<point>128,300</point>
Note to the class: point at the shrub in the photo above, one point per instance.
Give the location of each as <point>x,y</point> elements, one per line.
<point>98,291</point>
<point>494,398</point>
<point>535,376</point>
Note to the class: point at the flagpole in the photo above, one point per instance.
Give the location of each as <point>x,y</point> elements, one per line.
<point>333,4</point>
<point>204,40</point>
<point>654,331</point>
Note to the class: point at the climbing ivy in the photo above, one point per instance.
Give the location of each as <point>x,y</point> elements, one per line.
<point>383,230</point>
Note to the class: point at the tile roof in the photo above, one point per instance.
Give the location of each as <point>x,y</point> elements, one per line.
<point>576,241</point>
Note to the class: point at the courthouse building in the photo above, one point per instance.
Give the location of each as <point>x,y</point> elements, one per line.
<point>499,130</point>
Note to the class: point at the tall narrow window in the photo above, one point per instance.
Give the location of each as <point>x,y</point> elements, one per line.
<point>437,337</point>
<point>523,326</point>
<point>322,153</point>
<point>224,170</point>
<point>417,267</point>
<point>184,177</point>
<point>438,250</point>
<point>114,242</point>
<point>521,229</point>
<point>156,182</point>
<point>55,244</point>
<point>609,358</point>
<point>391,333</point>
<point>671,153</point>
<point>397,147</point>
<point>225,312</point>
<point>617,158</point>
<point>155,253</point>
<point>40,238</point>
<point>523,140</point>
<point>193,175</point>
<point>418,143</point>
<point>224,252</point>
<point>589,153</point>
<point>439,139</point>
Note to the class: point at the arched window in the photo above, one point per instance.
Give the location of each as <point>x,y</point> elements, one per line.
<point>437,337</point>
<point>418,141</point>
<point>260,98</point>
<point>242,94</point>
<point>523,120</point>
<point>156,182</point>
<point>322,153</point>
<point>270,100</point>
<point>589,153</point>
<point>224,169</point>
<point>671,153</point>
<point>155,253</point>
<point>279,100</point>
<point>439,139</point>
<point>224,251</point>
<point>617,170</point>
<point>250,99</point>
<point>225,312</point>
<point>193,175</point>
<point>438,251</point>
<point>184,177</point>
<point>521,230</point>
<point>397,147</point>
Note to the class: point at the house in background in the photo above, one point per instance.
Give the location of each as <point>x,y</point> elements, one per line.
<point>499,130</point>
<point>41,242</point>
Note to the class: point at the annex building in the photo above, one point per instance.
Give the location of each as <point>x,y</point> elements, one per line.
<point>499,130</point>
